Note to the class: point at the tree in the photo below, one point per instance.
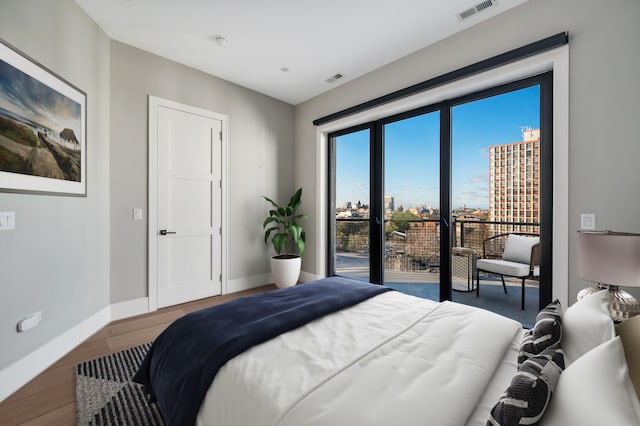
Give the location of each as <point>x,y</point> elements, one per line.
<point>400,221</point>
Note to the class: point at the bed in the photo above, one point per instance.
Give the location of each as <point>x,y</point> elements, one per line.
<point>389,358</point>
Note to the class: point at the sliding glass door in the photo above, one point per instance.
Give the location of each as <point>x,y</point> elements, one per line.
<point>412,204</point>
<point>495,190</point>
<point>416,195</point>
<point>350,211</point>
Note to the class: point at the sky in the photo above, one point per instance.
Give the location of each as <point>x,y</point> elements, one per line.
<point>412,152</point>
<point>27,97</point>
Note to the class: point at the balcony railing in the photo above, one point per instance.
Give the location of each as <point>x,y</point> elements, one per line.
<point>415,245</point>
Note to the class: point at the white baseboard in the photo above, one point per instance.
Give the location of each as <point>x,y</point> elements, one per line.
<point>254,281</point>
<point>129,308</point>
<point>25,369</point>
<point>247,283</point>
<point>22,371</point>
<point>305,277</point>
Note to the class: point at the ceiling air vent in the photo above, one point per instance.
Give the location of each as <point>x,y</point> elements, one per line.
<point>484,5</point>
<point>334,78</point>
<point>467,13</point>
<point>476,9</point>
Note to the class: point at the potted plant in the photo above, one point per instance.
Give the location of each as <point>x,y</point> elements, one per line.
<point>286,233</point>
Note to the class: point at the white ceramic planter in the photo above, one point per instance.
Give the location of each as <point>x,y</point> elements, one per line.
<point>286,271</point>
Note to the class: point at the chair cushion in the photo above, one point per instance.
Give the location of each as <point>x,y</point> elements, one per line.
<point>504,267</point>
<point>518,248</point>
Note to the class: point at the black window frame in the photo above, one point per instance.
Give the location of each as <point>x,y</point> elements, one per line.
<point>376,240</point>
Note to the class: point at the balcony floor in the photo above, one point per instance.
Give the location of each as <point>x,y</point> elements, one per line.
<point>425,284</point>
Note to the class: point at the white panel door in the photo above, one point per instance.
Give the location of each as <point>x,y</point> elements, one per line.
<point>189,206</point>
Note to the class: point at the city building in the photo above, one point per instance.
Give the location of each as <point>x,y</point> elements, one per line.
<point>388,204</point>
<point>514,180</point>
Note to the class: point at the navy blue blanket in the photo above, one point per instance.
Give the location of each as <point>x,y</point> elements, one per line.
<point>184,359</point>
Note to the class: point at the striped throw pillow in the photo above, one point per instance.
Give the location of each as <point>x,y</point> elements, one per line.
<point>546,332</point>
<point>528,395</point>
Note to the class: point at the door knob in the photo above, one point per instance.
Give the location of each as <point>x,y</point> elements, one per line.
<point>165,232</point>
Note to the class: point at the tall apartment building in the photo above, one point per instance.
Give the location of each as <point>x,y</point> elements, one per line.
<point>389,204</point>
<point>514,180</point>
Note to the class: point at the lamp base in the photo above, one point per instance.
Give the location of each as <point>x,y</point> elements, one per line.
<point>622,306</point>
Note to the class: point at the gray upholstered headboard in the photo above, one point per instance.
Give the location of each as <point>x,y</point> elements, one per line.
<point>629,332</point>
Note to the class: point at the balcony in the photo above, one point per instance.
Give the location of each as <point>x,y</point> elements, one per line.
<point>412,262</point>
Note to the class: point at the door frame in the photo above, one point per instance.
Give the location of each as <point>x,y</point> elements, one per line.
<point>154,103</point>
<point>377,176</point>
<point>556,60</point>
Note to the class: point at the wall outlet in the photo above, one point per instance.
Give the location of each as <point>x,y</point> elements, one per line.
<point>137,214</point>
<point>588,221</point>
<point>29,322</point>
<point>7,221</point>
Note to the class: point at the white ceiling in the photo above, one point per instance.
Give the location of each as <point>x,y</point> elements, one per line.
<point>311,39</point>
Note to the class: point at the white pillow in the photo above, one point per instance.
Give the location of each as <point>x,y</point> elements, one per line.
<point>586,324</point>
<point>595,390</point>
<point>518,248</point>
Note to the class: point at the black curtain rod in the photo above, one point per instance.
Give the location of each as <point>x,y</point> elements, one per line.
<point>531,49</point>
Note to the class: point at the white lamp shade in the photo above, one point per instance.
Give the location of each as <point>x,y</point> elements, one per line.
<point>608,257</point>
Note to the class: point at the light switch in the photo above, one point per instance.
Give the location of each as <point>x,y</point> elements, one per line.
<point>7,221</point>
<point>588,221</point>
<point>137,214</point>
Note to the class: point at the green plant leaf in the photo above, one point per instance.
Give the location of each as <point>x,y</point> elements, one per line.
<point>295,198</point>
<point>271,201</point>
<point>301,242</point>
<point>268,232</point>
<point>280,243</point>
<point>294,230</point>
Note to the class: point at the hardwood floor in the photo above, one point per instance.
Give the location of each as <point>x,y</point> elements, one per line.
<point>49,399</point>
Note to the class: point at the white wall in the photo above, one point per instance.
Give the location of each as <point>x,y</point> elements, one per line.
<point>603,103</point>
<point>57,258</point>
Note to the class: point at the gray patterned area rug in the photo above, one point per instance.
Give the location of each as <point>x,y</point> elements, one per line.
<point>105,394</point>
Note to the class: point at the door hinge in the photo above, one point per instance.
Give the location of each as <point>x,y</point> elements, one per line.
<point>220,183</point>
<point>220,230</point>
<point>220,278</point>
<point>220,135</point>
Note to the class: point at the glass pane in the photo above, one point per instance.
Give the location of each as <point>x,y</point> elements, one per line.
<point>412,205</point>
<point>352,205</point>
<point>495,190</point>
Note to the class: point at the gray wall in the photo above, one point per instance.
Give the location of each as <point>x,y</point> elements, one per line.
<point>604,107</point>
<point>57,258</point>
<point>72,257</point>
<point>260,156</point>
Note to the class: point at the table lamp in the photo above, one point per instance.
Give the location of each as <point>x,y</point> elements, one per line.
<point>610,259</point>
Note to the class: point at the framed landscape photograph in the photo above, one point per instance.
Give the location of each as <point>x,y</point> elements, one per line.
<point>42,128</point>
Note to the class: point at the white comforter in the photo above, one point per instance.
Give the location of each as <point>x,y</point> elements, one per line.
<point>391,360</point>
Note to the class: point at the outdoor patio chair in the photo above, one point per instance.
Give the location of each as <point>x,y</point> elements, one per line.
<point>512,254</point>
